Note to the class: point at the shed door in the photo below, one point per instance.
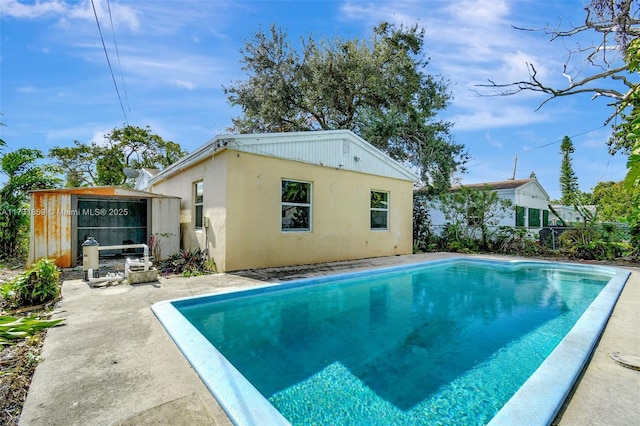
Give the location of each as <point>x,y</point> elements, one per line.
<point>112,222</point>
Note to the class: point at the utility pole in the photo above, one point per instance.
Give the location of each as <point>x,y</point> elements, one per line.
<point>515,165</point>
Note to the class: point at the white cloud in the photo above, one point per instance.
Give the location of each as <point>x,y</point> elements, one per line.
<point>513,67</point>
<point>184,70</point>
<point>98,137</point>
<point>595,139</point>
<point>66,12</point>
<point>492,142</point>
<point>470,43</point>
<point>185,84</point>
<point>121,15</point>
<point>480,12</point>
<point>16,9</point>
<point>75,133</point>
<point>487,118</point>
<point>395,12</point>
<point>27,89</point>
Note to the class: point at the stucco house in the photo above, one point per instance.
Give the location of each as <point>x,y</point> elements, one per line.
<point>264,200</point>
<point>530,199</point>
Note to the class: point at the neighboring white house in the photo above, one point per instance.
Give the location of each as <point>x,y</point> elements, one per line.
<point>530,200</point>
<point>569,214</point>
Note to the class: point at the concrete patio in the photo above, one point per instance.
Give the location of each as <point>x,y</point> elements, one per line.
<point>112,363</point>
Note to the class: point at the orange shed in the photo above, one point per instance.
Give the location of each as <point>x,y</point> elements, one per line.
<point>61,219</point>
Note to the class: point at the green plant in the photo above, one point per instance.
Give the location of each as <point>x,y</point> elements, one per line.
<point>13,328</point>
<point>210,265</point>
<point>38,284</point>
<point>421,225</point>
<point>6,291</point>
<point>472,213</point>
<point>21,172</point>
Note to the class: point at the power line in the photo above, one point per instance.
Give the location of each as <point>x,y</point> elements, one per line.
<point>560,140</point>
<point>113,31</point>
<point>546,144</point>
<point>109,62</point>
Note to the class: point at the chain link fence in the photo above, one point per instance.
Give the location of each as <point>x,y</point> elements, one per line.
<point>550,236</point>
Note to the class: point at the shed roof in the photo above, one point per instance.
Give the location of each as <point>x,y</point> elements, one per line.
<point>339,149</point>
<point>110,191</point>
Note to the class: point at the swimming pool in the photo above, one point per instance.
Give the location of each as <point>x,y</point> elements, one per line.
<point>443,341</point>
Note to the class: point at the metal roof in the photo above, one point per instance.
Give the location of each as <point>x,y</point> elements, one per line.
<point>110,191</point>
<point>338,149</point>
<point>503,184</point>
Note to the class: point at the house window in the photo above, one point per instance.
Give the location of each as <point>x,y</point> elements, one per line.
<point>379,210</point>
<point>296,206</point>
<point>198,196</point>
<point>519,216</point>
<point>545,217</point>
<point>534,218</point>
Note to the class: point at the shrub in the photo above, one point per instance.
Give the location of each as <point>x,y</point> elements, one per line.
<point>421,225</point>
<point>599,250</point>
<point>38,284</point>
<point>515,241</point>
<point>188,263</point>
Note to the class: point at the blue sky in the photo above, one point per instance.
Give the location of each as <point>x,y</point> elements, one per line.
<point>174,57</point>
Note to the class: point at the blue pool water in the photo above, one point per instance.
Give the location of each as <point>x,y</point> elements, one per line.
<point>439,343</point>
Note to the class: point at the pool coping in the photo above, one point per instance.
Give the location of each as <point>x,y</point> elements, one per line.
<point>540,398</point>
<point>536,402</point>
<point>240,400</point>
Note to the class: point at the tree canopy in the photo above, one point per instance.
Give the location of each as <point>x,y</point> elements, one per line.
<point>470,211</point>
<point>377,88</point>
<point>103,163</point>
<point>614,201</point>
<point>23,174</point>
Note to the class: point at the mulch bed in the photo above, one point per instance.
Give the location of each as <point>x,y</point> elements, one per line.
<point>17,364</point>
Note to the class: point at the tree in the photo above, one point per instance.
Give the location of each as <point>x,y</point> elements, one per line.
<point>104,163</point>
<point>377,88</point>
<point>614,201</point>
<point>632,134</point>
<point>23,174</point>
<point>472,211</point>
<point>632,182</point>
<point>142,148</point>
<point>597,69</point>
<point>568,179</point>
<point>78,163</point>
